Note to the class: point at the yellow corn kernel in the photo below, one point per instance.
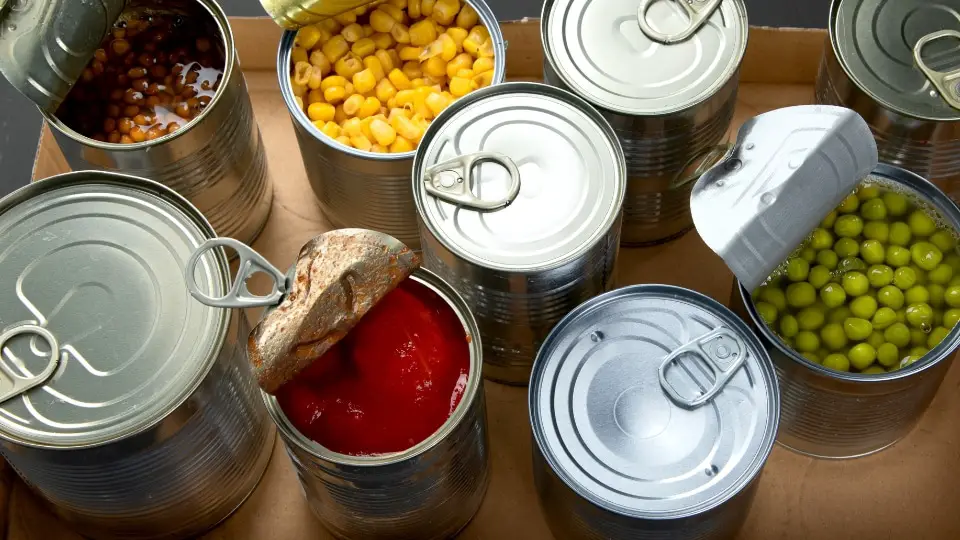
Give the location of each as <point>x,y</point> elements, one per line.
<point>399,79</point>
<point>401,145</point>
<point>483,64</point>
<point>363,47</point>
<point>400,33</point>
<point>331,129</point>
<point>307,37</point>
<point>461,61</point>
<point>418,82</point>
<point>299,90</point>
<point>346,18</point>
<point>465,74</point>
<point>392,102</point>
<point>348,66</point>
<point>374,65</point>
<point>334,94</point>
<point>352,32</point>
<point>426,7</point>
<point>365,127</point>
<point>393,11</point>
<point>351,127</point>
<point>467,18</point>
<point>381,21</point>
<point>298,54</point>
<point>405,97</point>
<point>410,53</point>
<point>319,124</point>
<point>385,90</point>
<point>443,46</point>
<point>422,32</point>
<point>340,116</point>
<point>436,102</point>
<point>364,81</point>
<point>360,10</point>
<point>420,108</point>
<point>406,128</point>
<point>413,9</point>
<point>330,25</point>
<point>344,140</point>
<point>458,35</point>
<point>483,79</point>
<point>299,101</point>
<point>445,11</point>
<point>315,96</point>
<point>301,73</point>
<point>395,56</point>
<point>370,107</point>
<point>386,61</point>
<point>315,79</point>
<point>378,149</point>
<point>411,69</point>
<point>320,61</point>
<point>382,132</point>
<point>434,82</point>
<point>368,30</point>
<point>398,3</point>
<point>322,112</point>
<point>360,142</point>
<point>382,40</point>
<point>399,110</point>
<point>475,38</point>
<point>335,48</point>
<point>460,87</point>
<point>447,95</point>
<point>486,49</point>
<point>331,81</point>
<point>349,89</point>
<point>352,104</point>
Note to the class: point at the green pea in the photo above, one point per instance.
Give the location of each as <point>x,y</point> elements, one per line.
<point>797,269</point>
<point>897,204</point>
<point>801,295</point>
<point>908,361</point>
<point>857,329</point>
<point>951,318</point>
<point>855,283</point>
<point>872,252</point>
<point>811,357</point>
<point>820,275</point>
<point>920,273</point>
<point>952,296</point>
<point>921,224</point>
<point>821,239</point>
<point>937,335</point>
<point>867,191</point>
<point>828,221</point>
<point>936,295</point>
<point>837,362</point>
<point>776,297</point>
<point>833,295</point>
<point>900,233</point>
<point>941,275</point>
<point>810,318</point>
<point>848,226</point>
<point>898,334</point>
<point>828,258</point>
<point>807,341</point>
<point>882,318</point>
<point>926,255</point>
<point>919,351</point>
<point>833,336</point>
<point>897,256</point>
<point>789,326</point>
<point>808,254</point>
<point>917,337</point>
<point>767,312</point>
<point>876,230</point>
<point>848,205</point>
<point>846,247</point>
<point>920,316</point>
<point>953,259</point>
<point>838,314</point>
<point>944,240</point>
<point>890,297</point>
<point>862,355</point>
<point>873,210</point>
<point>863,307</point>
<point>880,275</point>
<point>875,339</point>
<point>873,370</point>
<point>917,294</point>
<point>888,355</point>
<point>848,264</point>
<point>904,278</point>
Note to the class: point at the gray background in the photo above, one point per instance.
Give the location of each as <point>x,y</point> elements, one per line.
<point>20,123</point>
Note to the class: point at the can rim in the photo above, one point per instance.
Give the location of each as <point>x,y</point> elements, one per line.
<point>291,435</point>
<point>758,460</point>
<point>230,56</point>
<point>93,177</point>
<point>924,189</point>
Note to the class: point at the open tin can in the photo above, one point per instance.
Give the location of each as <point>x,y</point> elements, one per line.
<point>654,409</point>
<point>129,408</point>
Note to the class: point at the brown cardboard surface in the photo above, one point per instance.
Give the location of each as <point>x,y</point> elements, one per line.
<point>907,492</point>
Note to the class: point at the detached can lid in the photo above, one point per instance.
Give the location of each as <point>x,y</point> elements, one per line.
<point>295,14</point>
<point>654,402</point>
<point>99,338</point>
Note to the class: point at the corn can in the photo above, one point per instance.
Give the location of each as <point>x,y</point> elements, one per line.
<point>665,75</point>
<point>361,189</point>
<point>654,409</point>
<point>127,407</point>
<point>891,61</point>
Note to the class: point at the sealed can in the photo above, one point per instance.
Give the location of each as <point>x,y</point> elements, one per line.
<point>891,61</point>
<point>654,409</point>
<point>519,189</point>
<point>362,189</point>
<point>126,406</point>
<point>665,75</point>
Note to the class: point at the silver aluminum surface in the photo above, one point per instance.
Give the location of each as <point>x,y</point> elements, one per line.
<point>669,104</point>
<point>429,492</point>
<point>366,190</point>
<point>151,426</point>
<point>217,161</point>
<point>654,409</point>
<point>833,414</point>
<point>788,169</point>
<point>548,245</point>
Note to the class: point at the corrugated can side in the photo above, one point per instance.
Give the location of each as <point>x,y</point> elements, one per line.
<point>217,161</point>
<point>430,491</point>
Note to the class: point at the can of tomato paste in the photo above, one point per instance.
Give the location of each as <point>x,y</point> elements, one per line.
<point>128,407</point>
<point>365,481</point>
<point>654,409</point>
<point>519,189</point>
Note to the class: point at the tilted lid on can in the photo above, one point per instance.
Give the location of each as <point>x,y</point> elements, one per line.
<point>519,176</point>
<point>295,14</point>
<point>98,336</point>
<point>654,401</point>
<point>903,53</point>
<point>644,57</point>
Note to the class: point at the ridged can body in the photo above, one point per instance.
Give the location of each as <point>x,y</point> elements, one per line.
<point>831,414</point>
<point>366,190</point>
<point>429,492</point>
<point>218,161</point>
<point>662,142</point>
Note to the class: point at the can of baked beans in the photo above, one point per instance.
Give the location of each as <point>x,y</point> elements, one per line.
<point>665,75</point>
<point>126,406</point>
<point>519,189</point>
<point>654,409</point>
<point>370,188</point>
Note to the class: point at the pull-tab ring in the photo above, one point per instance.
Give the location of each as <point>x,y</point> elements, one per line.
<point>450,181</point>
<point>239,296</point>
<point>713,355</point>
<point>698,11</point>
<point>946,83</point>
<point>13,384</point>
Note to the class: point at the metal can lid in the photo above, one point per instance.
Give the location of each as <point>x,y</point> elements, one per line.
<point>654,401</point>
<point>94,310</point>
<point>519,176</point>
<point>634,57</point>
<point>295,14</point>
<point>902,53</point>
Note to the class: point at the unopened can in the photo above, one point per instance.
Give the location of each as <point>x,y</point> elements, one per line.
<point>654,409</point>
<point>665,75</point>
<point>835,414</point>
<point>359,189</point>
<point>892,61</point>
<point>128,407</point>
<point>519,189</point>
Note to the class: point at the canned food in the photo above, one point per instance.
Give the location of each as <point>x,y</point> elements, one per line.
<point>891,61</point>
<point>128,407</point>
<point>665,75</point>
<point>519,189</point>
<point>358,160</point>
<point>654,409</point>
<point>211,152</point>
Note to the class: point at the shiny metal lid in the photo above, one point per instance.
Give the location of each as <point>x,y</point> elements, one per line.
<point>92,268</point>
<point>654,401</point>
<point>877,43</point>
<point>519,176</point>
<point>295,14</point>
<point>602,51</point>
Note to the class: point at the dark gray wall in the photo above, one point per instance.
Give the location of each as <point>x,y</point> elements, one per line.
<point>20,123</point>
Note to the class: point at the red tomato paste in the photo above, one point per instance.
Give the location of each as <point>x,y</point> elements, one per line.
<point>390,383</point>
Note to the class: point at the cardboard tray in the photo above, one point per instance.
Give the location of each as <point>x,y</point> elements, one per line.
<point>909,491</point>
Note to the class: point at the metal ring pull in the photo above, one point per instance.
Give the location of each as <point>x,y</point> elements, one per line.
<point>698,11</point>
<point>13,384</point>
<point>450,181</point>
<point>946,83</point>
<point>715,355</point>
<point>239,296</point>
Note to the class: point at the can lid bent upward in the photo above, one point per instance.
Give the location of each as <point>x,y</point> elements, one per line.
<point>295,14</point>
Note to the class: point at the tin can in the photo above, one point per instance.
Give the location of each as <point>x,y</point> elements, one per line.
<point>834,414</point>
<point>126,406</point>
<point>665,75</point>
<point>891,62</point>
<point>358,189</point>
<point>542,233</point>
<point>654,409</point>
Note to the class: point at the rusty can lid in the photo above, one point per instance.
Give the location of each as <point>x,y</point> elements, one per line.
<point>295,14</point>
